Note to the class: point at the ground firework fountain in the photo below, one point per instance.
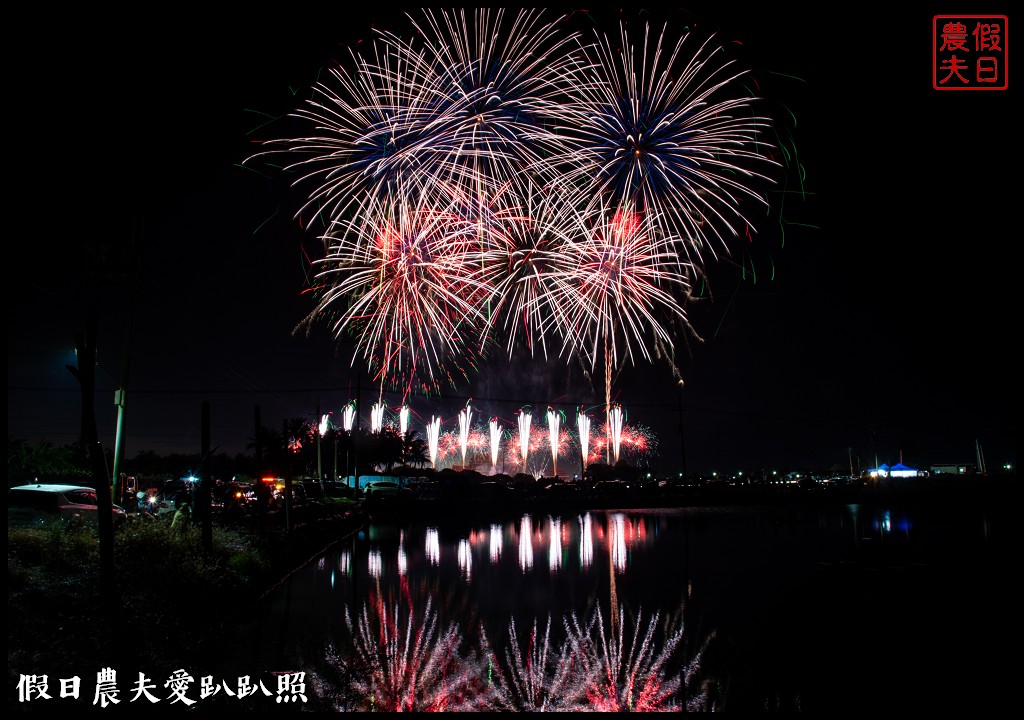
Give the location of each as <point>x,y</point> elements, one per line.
<point>495,443</point>
<point>615,429</point>
<point>433,433</point>
<point>554,421</point>
<point>583,426</point>
<point>377,417</point>
<point>465,425</point>
<point>525,416</point>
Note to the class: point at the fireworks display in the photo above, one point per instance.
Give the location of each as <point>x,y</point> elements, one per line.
<point>495,178</point>
<point>489,448</point>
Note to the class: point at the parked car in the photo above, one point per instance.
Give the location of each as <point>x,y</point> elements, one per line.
<point>610,489</point>
<point>41,503</point>
<point>313,489</point>
<point>380,489</point>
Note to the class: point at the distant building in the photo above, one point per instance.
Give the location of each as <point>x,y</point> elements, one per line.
<point>958,469</point>
<point>897,470</point>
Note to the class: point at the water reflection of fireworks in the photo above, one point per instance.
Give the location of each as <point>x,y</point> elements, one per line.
<point>401,660</point>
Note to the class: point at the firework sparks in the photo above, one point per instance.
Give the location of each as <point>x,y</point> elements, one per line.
<point>377,417</point>
<point>535,678</point>
<point>348,416</point>
<point>402,660</point>
<point>414,665</point>
<point>465,424</point>
<point>626,673</point>
<point>495,427</point>
<point>583,428</point>
<point>525,417</point>
<point>491,177</point>
<point>433,432</point>
<point>554,420</point>
<point>531,264</point>
<point>401,280</point>
<point>665,131</point>
<point>615,430</point>
<point>495,85</point>
<point>403,420</point>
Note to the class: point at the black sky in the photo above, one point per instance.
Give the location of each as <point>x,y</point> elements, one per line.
<point>875,311</point>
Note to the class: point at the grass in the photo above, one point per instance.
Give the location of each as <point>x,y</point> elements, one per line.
<point>176,605</point>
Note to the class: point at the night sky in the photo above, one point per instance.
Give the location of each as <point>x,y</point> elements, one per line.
<point>874,313</point>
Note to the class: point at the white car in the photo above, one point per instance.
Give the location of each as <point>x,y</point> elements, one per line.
<point>41,503</point>
<point>380,489</point>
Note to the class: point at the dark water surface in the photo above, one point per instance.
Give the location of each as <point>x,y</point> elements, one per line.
<point>813,608</point>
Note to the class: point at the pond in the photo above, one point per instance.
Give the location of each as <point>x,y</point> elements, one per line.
<point>812,608</point>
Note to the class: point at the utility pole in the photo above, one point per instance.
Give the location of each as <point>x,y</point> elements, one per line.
<point>682,436</point>
<point>205,481</point>
<point>85,373</point>
<point>119,395</point>
<point>355,435</point>
<point>261,506</point>
<point>319,436</point>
